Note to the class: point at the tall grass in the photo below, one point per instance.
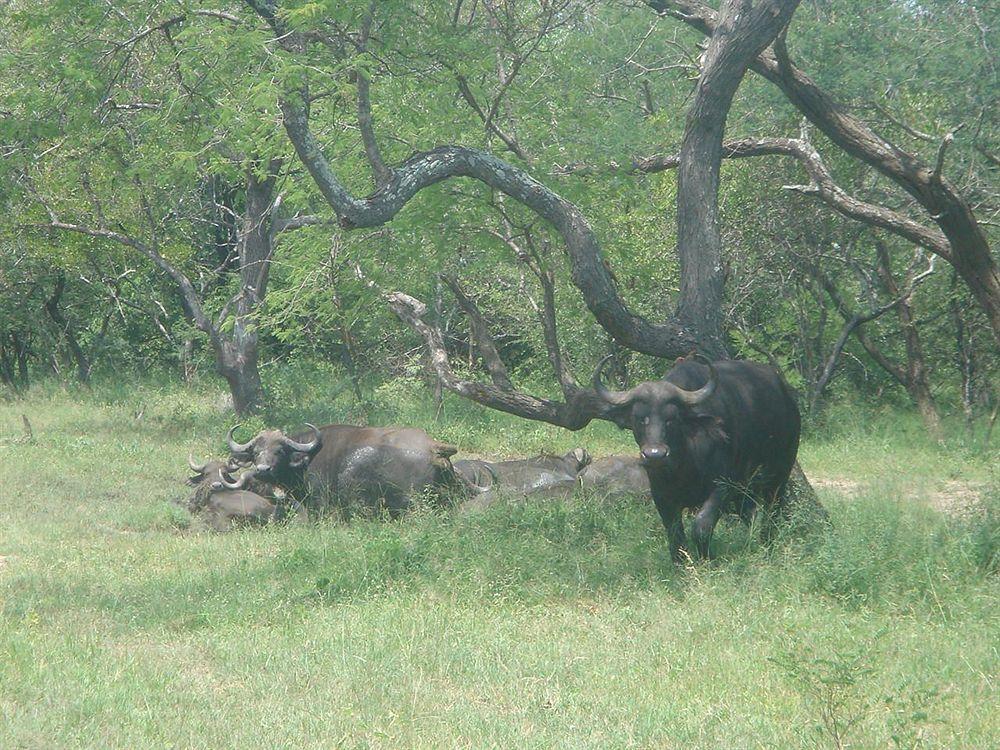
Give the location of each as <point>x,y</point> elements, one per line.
<point>123,624</point>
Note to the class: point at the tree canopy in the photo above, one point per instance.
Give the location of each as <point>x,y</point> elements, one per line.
<point>163,213</point>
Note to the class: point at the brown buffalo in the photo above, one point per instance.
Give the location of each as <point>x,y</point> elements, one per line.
<point>224,509</point>
<point>616,475</point>
<point>523,476</point>
<point>373,468</point>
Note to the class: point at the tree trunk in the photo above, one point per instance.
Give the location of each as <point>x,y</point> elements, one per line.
<point>6,364</point>
<point>744,30</point>
<point>187,357</point>
<point>83,364</point>
<point>21,354</point>
<point>970,252</point>
<point>963,355</point>
<point>237,357</point>
<point>916,379</point>
<point>243,376</point>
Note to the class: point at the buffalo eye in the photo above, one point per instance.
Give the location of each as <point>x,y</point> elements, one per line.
<point>645,420</point>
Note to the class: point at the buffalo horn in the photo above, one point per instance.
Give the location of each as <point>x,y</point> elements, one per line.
<point>239,484</point>
<point>693,398</point>
<point>196,468</point>
<point>304,447</point>
<point>235,447</point>
<point>615,398</point>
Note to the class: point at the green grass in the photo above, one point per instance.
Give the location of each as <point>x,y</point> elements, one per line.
<point>550,624</point>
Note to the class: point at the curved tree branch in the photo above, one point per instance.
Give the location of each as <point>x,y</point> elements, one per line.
<point>970,251</point>
<point>589,269</point>
<point>573,414</point>
<point>822,186</point>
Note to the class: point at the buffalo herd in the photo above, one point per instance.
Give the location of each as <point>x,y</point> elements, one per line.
<point>712,438</point>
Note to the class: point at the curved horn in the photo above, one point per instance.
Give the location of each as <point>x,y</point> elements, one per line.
<point>615,398</point>
<point>693,398</point>
<point>304,447</point>
<point>235,447</point>
<point>196,468</point>
<point>239,484</point>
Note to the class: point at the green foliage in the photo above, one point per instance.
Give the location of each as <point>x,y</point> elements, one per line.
<point>115,120</point>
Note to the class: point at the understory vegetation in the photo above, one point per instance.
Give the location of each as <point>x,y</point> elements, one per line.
<point>331,211</point>
<point>550,623</point>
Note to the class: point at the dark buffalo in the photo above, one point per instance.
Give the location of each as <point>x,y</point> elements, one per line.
<point>371,467</point>
<point>711,437</point>
<point>617,475</point>
<point>224,509</point>
<point>525,476</point>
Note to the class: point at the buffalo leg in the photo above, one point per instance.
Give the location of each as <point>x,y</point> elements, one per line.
<point>670,514</point>
<point>674,525</point>
<point>748,509</point>
<point>778,511</point>
<point>705,520</point>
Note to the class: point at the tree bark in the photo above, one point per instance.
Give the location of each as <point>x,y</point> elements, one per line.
<point>917,378</point>
<point>969,247</point>
<point>743,31</point>
<point>54,311</point>
<point>237,357</point>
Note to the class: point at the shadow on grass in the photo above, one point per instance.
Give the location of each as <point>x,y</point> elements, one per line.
<point>878,554</point>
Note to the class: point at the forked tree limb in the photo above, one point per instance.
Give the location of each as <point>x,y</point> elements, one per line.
<point>574,414</point>
<point>547,312</point>
<point>697,323</point>
<point>854,320</point>
<point>822,185</point>
<point>589,270</point>
<point>481,333</point>
<point>969,247</point>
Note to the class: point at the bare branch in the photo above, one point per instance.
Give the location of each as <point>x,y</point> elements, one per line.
<point>470,99</point>
<point>547,312</point>
<point>822,186</point>
<point>382,173</point>
<point>481,332</point>
<point>298,222</point>
<point>573,415</point>
<point>969,247</point>
<point>189,297</point>
<point>945,142</point>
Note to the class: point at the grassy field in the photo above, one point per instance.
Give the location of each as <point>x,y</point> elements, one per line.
<point>553,624</point>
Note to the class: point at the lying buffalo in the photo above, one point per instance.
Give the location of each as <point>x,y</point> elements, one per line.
<point>710,435</point>
<point>617,475</point>
<point>524,476</point>
<point>370,467</point>
<point>224,509</point>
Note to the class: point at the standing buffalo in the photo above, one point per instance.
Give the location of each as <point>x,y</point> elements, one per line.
<point>707,434</point>
<point>225,508</point>
<point>373,467</point>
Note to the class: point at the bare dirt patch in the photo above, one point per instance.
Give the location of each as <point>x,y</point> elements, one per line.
<point>957,497</point>
<point>951,496</point>
<point>843,485</point>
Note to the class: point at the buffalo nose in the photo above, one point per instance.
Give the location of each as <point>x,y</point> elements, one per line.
<point>655,452</point>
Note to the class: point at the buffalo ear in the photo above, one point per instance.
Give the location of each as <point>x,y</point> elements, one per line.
<point>300,459</point>
<point>710,424</point>
<point>619,415</point>
<point>194,481</point>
